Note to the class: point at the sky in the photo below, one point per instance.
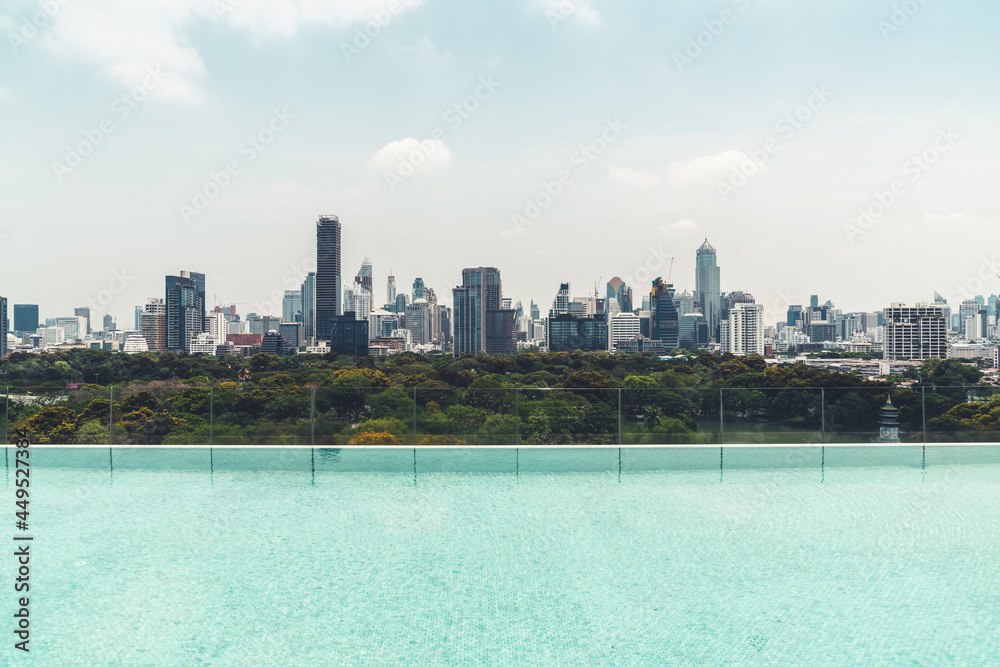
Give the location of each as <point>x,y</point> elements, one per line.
<point>847,149</point>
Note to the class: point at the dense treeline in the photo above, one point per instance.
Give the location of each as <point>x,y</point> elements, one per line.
<point>530,398</point>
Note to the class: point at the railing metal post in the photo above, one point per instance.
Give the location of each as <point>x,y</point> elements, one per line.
<point>722,420</point>
<point>312,417</point>
<point>517,416</point>
<point>111,412</point>
<point>619,418</point>
<point>414,418</point>
<point>923,410</point>
<point>211,416</point>
<point>6,414</point>
<point>822,414</point>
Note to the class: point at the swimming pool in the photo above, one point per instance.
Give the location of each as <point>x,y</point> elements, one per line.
<point>687,555</point>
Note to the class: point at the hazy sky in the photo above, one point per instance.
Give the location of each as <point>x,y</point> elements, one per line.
<point>636,128</point>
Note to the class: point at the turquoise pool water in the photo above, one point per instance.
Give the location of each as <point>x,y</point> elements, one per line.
<point>842,556</point>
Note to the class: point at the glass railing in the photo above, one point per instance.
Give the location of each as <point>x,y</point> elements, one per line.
<point>332,417</point>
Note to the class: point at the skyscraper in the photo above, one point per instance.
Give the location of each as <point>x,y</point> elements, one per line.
<point>291,306</point>
<point>25,317</point>
<point>328,303</point>
<point>390,290</point>
<point>480,324</point>
<point>3,326</point>
<point>707,287</point>
<point>419,289</point>
<point>622,293</point>
<point>364,278</point>
<point>914,333</point>
<point>309,307</point>
<point>743,332</point>
<point>664,323</point>
<point>85,313</point>
<point>185,300</point>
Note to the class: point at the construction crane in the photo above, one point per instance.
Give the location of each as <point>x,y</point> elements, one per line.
<point>671,271</point>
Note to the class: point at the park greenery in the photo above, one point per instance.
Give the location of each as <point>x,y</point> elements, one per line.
<point>530,398</point>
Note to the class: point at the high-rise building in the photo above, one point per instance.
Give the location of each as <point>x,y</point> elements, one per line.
<point>732,298</point>
<point>536,313</point>
<point>309,307</point>
<point>357,300</point>
<point>743,332</point>
<point>364,278</point>
<point>480,324</point>
<point>25,318</point>
<point>568,333</point>
<point>348,335</point>
<point>217,328</point>
<point>293,333</point>
<point>109,323</point>
<point>693,331</point>
<point>419,290</point>
<point>814,301</point>
<point>560,305</point>
<point>84,313</point>
<point>185,299</point>
<point>3,326</point>
<point>419,321</point>
<point>622,293</point>
<point>390,290</point>
<point>942,303</point>
<point>685,303</point>
<point>291,306</point>
<point>624,326</point>
<point>919,332</point>
<point>795,317</point>
<point>664,323</point>
<point>154,325</point>
<point>401,301</point>
<point>328,288</point>
<point>708,292</point>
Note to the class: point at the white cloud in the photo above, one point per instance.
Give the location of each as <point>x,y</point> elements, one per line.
<point>685,225</point>
<point>284,18</point>
<point>560,11</point>
<point>123,37</point>
<point>707,167</point>
<point>425,154</point>
<point>636,178</point>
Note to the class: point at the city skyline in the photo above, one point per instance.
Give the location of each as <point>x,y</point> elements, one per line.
<point>271,305</point>
<point>570,145</point>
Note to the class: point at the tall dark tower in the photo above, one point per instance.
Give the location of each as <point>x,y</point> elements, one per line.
<point>708,293</point>
<point>185,300</point>
<point>664,323</point>
<point>328,300</point>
